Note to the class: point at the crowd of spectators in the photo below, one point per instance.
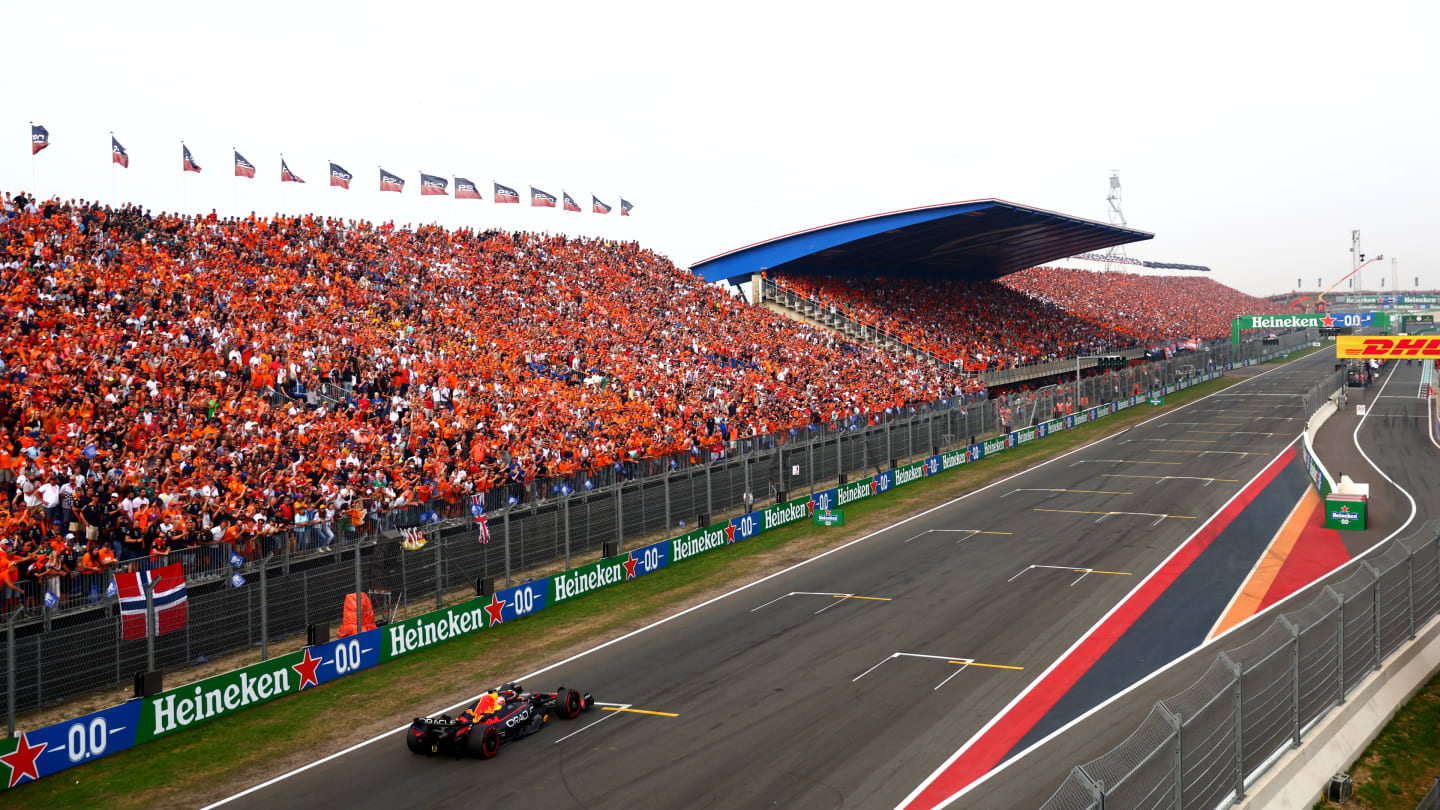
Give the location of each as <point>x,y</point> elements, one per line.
<point>984,325</point>
<point>1143,306</point>
<point>173,361</point>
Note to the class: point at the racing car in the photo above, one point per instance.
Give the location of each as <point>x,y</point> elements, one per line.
<point>502,715</point>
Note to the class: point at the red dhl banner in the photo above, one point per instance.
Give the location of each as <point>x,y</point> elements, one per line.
<point>1386,348</point>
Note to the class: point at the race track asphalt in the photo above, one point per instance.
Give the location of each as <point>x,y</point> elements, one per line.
<point>787,697</point>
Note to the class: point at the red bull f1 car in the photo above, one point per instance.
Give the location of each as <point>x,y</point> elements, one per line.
<point>500,716</point>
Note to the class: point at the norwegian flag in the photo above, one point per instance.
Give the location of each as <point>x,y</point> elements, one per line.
<point>171,611</point>
<point>39,138</point>
<point>431,185</point>
<point>540,199</point>
<point>118,153</point>
<point>187,161</point>
<point>391,182</point>
<point>505,194</point>
<point>287,176</point>
<point>477,508</point>
<point>597,206</point>
<point>339,177</point>
<point>625,207</point>
<point>569,202</point>
<point>466,190</point>
<point>243,167</point>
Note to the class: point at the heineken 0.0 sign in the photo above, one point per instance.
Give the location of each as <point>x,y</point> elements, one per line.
<point>1345,512</point>
<point>829,517</point>
<point>1156,399</point>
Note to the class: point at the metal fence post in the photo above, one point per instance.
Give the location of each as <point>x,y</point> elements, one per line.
<point>150,624</point>
<point>265,606</point>
<point>507,545</point>
<point>709,491</point>
<point>1339,642</point>
<point>10,665</point>
<point>1177,724</point>
<point>1236,670</point>
<point>1375,613</point>
<point>358,608</point>
<point>810,465</point>
<point>566,508</point>
<point>439,579</point>
<point>1294,681</point>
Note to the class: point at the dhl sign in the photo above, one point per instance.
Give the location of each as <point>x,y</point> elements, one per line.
<point>1385,348</point>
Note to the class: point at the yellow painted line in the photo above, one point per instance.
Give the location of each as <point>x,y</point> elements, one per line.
<point>1171,463</point>
<point>994,532</point>
<point>1088,512</point>
<point>1192,441</point>
<point>978,664</point>
<point>1119,475</point>
<point>636,711</point>
<point>1226,453</point>
<point>850,596</point>
<point>1093,571</point>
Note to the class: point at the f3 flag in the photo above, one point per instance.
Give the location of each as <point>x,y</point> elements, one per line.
<point>466,190</point>
<point>39,138</point>
<point>187,162</point>
<point>539,199</point>
<point>171,611</point>
<point>569,202</point>
<point>505,194</point>
<point>243,167</point>
<point>625,207</point>
<point>118,153</point>
<point>430,184</point>
<point>391,182</point>
<point>597,206</point>
<point>287,176</point>
<point>339,177</point>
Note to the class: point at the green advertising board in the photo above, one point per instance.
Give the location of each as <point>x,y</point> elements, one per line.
<point>1156,399</point>
<point>1345,512</point>
<point>830,517</point>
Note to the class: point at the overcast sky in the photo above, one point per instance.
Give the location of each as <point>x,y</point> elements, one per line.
<point>1250,136</point>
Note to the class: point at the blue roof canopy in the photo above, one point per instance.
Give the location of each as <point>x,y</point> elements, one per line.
<point>976,240</point>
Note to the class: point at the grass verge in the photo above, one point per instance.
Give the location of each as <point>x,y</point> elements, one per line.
<point>219,757</point>
<point>1402,763</point>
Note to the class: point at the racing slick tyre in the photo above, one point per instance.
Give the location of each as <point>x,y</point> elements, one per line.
<point>571,704</point>
<point>415,741</point>
<point>483,744</point>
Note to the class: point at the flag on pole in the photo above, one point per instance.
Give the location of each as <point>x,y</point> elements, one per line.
<point>477,508</point>
<point>39,138</point>
<point>466,190</point>
<point>505,194</point>
<point>187,162</point>
<point>118,153</point>
<point>597,206</point>
<point>287,176</point>
<point>168,597</point>
<point>625,207</point>
<point>539,199</point>
<point>52,599</point>
<point>391,182</point>
<point>243,167</point>
<point>339,177</point>
<point>570,204</point>
<point>431,185</point>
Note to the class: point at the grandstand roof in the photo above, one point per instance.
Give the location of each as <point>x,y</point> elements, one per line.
<point>979,239</point>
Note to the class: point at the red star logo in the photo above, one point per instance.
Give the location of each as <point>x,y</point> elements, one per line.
<point>729,532</point>
<point>1328,320</point>
<point>630,566</point>
<point>874,486</point>
<point>496,606</point>
<point>22,760</point>
<point>306,670</point>
<point>810,507</point>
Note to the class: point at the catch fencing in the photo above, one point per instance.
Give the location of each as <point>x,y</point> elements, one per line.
<point>55,654</point>
<point>1204,747</point>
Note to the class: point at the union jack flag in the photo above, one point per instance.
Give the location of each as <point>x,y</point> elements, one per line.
<point>540,199</point>
<point>339,177</point>
<point>505,194</point>
<point>430,185</point>
<point>569,202</point>
<point>466,190</point>
<point>187,161</point>
<point>243,167</point>
<point>625,207</point>
<point>391,182</point>
<point>597,206</point>
<point>118,153</point>
<point>39,138</point>
<point>287,176</point>
<point>477,508</point>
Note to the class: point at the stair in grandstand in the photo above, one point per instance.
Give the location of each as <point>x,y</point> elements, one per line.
<point>1427,378</point>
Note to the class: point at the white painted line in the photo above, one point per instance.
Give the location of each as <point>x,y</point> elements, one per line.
<point>971,532</point>
<point>771,602</point>
<point>832,604</point>
<point>892,657</point>
<point>962,668</point>
<point>596,722</point>
<point>1017,576</point>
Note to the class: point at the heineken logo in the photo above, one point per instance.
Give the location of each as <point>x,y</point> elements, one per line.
<point>852,492</point>
<point>905,475</point>
<point>1283,321</point>
<point>954,459</point>
<point>173,711</point>
<point>780,515</point>
<point>695,543</point>
<point>594,577</point>
<point>993,446</point>
<point>1026,435</point>
<point>423,631</point>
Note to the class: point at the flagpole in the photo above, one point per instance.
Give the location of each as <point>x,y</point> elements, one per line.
<point>112,166</point>
<point>282,182</point>
<point>184,186</point>
<point>34,184</point>
<point>234,187</point>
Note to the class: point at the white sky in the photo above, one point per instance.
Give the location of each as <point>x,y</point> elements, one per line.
<point>1250,136</point>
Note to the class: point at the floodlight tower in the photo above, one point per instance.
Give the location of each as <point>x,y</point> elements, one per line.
<point>1395,275</point>
<point>1117,217</point>
<point>1356,259</point>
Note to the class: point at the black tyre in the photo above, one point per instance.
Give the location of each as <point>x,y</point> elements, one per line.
<point>483,743</point>
<point>570,704</point>
<point>415,741</point>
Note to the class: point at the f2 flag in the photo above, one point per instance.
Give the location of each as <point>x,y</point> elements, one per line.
<point>597,206</point>
<point>505,194</point>
<point>391,182</point>
<point>243,167</point>
<point>625,207</point>
<point>118,153</point>
<point>168,597</point>
<point>39,138</point>
<point>569,202</point>
<point>339,177</point>
<point>287,176</point>
<point>539,199</point>
<point>187,163</point>
<point>466,190</point>
<point>430,184</point>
